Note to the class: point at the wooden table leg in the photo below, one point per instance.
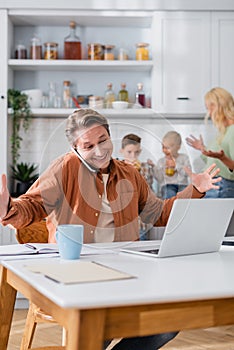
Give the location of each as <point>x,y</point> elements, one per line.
<point>86,330</point>
<point>7,302</point>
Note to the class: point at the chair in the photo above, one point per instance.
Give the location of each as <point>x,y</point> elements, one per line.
<point>35,233</point>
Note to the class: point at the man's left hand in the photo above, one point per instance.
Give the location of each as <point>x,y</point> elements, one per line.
<point>205,181</point>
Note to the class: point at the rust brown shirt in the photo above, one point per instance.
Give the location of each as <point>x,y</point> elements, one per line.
<point>68,193</point>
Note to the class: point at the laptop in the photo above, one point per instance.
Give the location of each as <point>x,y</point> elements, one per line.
<point>230,229</point>
<point>194,226</point>
<point>229,236</point>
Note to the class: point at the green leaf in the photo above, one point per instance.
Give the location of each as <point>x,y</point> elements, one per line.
<point>25,172</point>
<point>21,117</point>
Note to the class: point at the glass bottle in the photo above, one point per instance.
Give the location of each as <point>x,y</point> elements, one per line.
<point>52,94</point>
<point>123,93</point>
<point>140,95</point>
<point>109,96</point>
<point>66,94</point>
<point>72,44</point>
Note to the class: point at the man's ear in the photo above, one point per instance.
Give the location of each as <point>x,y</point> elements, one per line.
<point>121,150</point>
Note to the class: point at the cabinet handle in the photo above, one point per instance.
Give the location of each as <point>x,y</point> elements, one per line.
<point>2,97</point>
<point>182,98</point>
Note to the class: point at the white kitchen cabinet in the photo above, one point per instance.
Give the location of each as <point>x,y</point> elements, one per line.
<point>223,50</point>
<point>182,70</point>
<point>3,92</point>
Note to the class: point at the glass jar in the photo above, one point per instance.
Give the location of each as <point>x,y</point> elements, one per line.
<point>123,55</point>
<point>108,52</point>
<point>170,171</point>
<point>35,49</point>
<point>142,52</point>
<point>51,51</point>
<point>96,102</point>
<point>95,52</point>
<point>20,52</point>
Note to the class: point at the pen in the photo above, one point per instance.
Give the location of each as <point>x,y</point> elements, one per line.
<point>28,245</point>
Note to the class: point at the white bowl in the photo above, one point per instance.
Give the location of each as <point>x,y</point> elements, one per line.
<point>120,105</point>
<point>34,97</point>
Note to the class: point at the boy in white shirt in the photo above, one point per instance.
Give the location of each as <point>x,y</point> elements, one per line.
<point>169,170</point>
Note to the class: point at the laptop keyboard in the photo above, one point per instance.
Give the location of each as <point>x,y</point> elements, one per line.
<point>151,251</point>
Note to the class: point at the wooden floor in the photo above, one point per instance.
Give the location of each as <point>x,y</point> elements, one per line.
<point>221,338</point>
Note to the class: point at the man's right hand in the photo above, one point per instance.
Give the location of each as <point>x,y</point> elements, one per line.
<point>4,197</point>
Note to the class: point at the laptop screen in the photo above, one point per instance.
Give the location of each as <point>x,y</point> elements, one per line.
<point>194,226</point>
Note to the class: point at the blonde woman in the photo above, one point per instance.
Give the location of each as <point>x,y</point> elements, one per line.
<point>220,107</point>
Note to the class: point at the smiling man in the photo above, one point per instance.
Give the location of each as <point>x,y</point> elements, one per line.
<point>95,147</point>
<point>87,186</point>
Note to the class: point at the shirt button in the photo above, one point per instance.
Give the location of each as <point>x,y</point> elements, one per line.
<point>91,231</point>
<point>99,196</point>
<point>96,214</point>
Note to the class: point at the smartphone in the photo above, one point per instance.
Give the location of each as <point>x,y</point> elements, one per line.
<point>88,166</point>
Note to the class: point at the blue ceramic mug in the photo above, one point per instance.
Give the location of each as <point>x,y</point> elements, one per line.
<point>70,240</point>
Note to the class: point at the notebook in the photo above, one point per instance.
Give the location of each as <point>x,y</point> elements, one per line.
<point>28,249</point>
<point>194,226</point>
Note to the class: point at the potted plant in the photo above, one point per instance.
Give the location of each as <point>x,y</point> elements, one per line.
<point>25,174</point>
<point>21,117</point>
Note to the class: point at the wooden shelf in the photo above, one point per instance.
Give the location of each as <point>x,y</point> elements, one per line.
<point>136,113</point>
<point>94,18</point>
<point>80,65</point>
<point>64,112</point>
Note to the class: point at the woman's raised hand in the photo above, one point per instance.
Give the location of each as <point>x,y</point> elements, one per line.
<point>196,143</point>
<point>219,154</point>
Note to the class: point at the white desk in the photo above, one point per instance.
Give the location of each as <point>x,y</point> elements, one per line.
<point>168,294</point>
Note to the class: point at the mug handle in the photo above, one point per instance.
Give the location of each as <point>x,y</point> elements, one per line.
<point>56,236</point>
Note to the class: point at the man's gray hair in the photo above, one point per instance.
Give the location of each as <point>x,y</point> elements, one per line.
<point>82,119</point>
